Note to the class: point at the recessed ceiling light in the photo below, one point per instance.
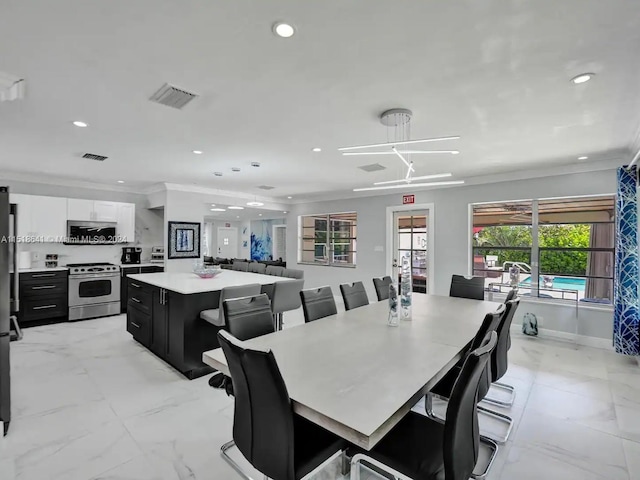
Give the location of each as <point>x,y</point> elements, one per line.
<point>197,152</point>
<point>217,174</point>
<point>255,164</point>
<point>259,214</point>
<point>289,198</point>
<point>582,158</point>
<point>255,204</point>
<point>285,212</point>
<point>80,124</point>
<point>120,181</point>
<point>235,169</point>
<point>283,30</point>
<point>316,149</point>
<point>218,210</point>
<point>235,207</point>
<point>237,216</point>
<point>582,78</point>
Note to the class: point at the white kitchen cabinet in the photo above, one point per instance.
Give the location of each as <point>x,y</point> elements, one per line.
<point>78,209</point>
<point>126,228</point>
<point>49,218</point>
<point>24,213</point>
<point>105,211</point>
<point>92,210</point>
<point>40,216</point>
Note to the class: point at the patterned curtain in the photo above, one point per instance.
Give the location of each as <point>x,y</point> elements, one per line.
<point>626,324</point>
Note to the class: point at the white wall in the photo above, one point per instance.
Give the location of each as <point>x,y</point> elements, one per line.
<point>148,224</point>
<point>452,238</point>
<point>181,207</point>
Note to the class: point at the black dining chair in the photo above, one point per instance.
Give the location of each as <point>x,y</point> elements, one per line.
<point>215,316</point>
<point>256,267</point>
<point>274,440</point>
<point>317,303</point>
<point>292,273</point>
<point>382,287</point>
<point>354,295</point>
<point>285,297</point>
<point>249,317</point>
<point>420,448</point>
<point>500,357</point>
<point>274,270</point>
<point>467,287</point>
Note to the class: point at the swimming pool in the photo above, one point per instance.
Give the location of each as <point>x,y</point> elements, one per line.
<point>566,283</point>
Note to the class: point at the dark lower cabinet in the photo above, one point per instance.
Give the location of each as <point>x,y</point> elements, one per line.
<point>168,323</point>
<point>43,297</point>
<point>125,271</point>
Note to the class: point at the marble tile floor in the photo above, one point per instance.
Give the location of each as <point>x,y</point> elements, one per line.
<point>90,403</point>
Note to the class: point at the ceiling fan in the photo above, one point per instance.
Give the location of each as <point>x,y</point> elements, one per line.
<point>397,121</point>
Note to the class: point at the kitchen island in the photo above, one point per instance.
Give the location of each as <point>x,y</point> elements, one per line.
<point>163,314</point>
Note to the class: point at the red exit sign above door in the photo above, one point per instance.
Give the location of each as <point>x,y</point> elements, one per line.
<point>407,199</point>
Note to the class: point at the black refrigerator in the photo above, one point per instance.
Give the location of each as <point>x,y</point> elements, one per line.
<point>8,300</point>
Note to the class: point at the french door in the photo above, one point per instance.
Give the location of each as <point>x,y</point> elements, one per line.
<point>411,242</point>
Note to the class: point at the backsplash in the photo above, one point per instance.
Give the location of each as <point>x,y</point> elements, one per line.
<point>149,233</point>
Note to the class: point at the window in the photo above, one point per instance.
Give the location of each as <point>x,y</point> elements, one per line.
<point>328,239</point>
<point>563,247</point>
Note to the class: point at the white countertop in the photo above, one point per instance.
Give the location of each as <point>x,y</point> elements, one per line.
<point>189,283</point>
<point>144,264</point>
<point>42,269</point>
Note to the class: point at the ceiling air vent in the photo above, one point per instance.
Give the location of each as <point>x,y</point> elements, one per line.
<point>93,156</point>
<point>374,167</point>
<point>266,187</point>
<point>173,97</point>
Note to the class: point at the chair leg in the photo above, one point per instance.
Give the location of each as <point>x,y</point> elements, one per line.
<point>502,403</point>
<point>358,458</point>
<point>501,417</point>
<point>232,462</point>
<point>346,462</point>
<point>493,447</point>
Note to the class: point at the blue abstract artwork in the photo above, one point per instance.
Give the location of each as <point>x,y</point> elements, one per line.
<point>626,324</point>
<point>261,241</point>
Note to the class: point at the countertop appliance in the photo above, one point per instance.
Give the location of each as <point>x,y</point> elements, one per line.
<point>90,233</point>
<point>157,255</point>
<point>130,255</point>
<point>94,290</point>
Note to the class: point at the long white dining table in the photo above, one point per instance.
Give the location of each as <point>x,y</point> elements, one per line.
<point>355,375</point>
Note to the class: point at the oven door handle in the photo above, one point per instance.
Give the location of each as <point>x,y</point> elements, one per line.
<point>92,275</point>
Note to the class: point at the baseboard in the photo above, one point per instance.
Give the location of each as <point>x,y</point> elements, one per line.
<point>595,342</point>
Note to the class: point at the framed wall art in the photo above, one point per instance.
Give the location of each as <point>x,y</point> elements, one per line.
<point>184,240</point>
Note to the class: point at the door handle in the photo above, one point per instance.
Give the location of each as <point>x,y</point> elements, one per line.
<point>135,285</point>
<point>44,306</point>
<point>135,324</point>
<point>42,287</point>
<point>42,275</point>
<point>135,300</point>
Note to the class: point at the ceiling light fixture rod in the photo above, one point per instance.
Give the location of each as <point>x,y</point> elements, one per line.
<point>404,142</point>
<point>424,177</point>
<point>410,185</point>
<point>452,152</point>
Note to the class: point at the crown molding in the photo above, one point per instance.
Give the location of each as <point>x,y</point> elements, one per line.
<point>611,162</point>
<point>66,182</point>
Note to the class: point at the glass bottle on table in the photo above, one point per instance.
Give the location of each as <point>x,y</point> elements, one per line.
<point>405,288</point>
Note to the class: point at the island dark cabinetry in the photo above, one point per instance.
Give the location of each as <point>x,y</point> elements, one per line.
<point>168,323</point>
<point>125,271</point>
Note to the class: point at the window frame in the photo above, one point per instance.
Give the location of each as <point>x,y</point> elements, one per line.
<point>333,237</point>
<point>536,251</point>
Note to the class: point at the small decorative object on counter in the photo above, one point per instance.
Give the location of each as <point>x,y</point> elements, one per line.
<point>405,289</point>
<point>514,275</point>
<point>530,325</point>
<point>51,260</point>
<point>393,305</point>
<point>208,271</point>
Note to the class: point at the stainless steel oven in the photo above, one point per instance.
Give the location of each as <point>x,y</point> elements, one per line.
<point>94,290</point>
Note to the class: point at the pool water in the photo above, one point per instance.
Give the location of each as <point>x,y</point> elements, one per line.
<point>567,283</point>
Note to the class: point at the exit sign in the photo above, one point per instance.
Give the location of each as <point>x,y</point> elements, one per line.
<point>406,199</point>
